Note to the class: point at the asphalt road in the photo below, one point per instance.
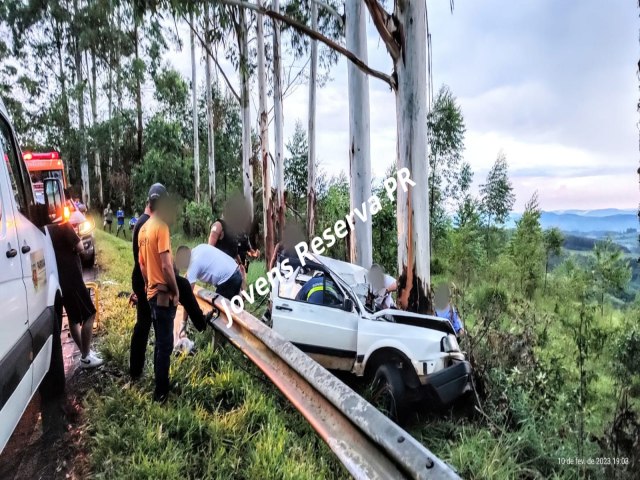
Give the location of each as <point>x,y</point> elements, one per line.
<point>34,450</point>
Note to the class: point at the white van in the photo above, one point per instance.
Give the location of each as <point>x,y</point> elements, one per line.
<point>30,296</point>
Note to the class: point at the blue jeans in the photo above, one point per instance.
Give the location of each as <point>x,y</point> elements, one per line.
<point>162,318</point>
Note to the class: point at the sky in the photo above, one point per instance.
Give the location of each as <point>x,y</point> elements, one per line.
<point>551,84</point>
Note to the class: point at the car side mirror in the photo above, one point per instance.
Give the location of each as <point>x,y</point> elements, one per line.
<point>54,200</point>
<point>348,305</point>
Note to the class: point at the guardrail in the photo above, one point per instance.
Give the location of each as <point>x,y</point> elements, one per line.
<point>367,443</point>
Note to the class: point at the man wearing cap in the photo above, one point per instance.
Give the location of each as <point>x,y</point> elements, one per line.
<point>140,335</point>
<point>156,265</point>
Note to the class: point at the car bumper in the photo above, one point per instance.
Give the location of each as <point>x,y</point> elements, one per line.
<point>447,385</point>
<point>89,248</point>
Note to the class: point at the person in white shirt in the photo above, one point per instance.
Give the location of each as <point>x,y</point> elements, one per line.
<point>381,286</point>
<point>211,265</point>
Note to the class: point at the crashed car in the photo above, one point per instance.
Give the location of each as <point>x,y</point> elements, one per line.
<point>405,357</point>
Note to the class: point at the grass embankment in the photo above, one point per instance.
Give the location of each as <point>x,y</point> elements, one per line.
<point>223,421</point>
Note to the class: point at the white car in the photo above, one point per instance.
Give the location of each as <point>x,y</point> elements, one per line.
<point>406,357</point>
<point>30,296</point>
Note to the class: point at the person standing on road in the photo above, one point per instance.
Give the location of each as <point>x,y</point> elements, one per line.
<point>75,297</point>
<point>120,218</point>
<point>108,218</point>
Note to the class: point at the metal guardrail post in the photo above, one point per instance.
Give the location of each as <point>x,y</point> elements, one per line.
<point>367,443</point>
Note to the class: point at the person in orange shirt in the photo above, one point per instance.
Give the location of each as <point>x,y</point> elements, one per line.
<point>156,264</point>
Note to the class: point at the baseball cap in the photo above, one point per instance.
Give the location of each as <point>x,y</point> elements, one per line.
<point>157,191</point>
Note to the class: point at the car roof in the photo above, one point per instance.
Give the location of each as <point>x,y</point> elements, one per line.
<point>352,274</point>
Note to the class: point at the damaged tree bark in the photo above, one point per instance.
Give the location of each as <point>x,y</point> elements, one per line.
<point>278,126</point>
<point>405,36</point>
<point>267,205</point>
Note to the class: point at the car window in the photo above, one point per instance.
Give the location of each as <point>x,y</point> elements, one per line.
<point>20,182</point>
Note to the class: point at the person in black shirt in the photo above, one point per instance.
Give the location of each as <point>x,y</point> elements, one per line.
<point>141,329</point>
<point>75,296</point>
<point>229,234</point>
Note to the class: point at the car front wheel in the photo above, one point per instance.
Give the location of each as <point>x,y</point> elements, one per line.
<point>389,392</point>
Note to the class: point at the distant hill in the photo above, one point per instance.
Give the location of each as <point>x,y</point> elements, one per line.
<point>586,221</point>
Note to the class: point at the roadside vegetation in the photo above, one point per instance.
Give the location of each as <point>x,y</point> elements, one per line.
<point>553,337</point>
<point>223,421</point>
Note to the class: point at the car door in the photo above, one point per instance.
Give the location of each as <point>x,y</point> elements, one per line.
<point>314,328</point>
<point>15,340</point>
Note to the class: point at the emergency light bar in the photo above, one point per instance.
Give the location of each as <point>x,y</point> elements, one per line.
<point>41,156</point>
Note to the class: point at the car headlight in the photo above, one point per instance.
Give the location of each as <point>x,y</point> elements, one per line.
<point>449,343</point>
<point>85,228</point>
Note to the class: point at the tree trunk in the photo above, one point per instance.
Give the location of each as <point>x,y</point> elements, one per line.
<point>405,36</point>
<point>245,106</point>
<point>211,158</point>
<point>84,164</point>
<point>97,165</point>
<point>267,205</point>
<point>63,77</point>
<point>411,112</point>
<point>194,98</point>
<point>138,92</point>
<point>360,250</point>
<point>311,163</point>
<point>278,125</point>
<point>110,117</point>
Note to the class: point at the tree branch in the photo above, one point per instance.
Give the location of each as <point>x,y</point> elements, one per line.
<point>386,26</point>
<point>314,35</point>
<point>331,10</point>
<point>213,57</point>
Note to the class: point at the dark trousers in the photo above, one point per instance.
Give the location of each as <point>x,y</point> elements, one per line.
<point>140,336</point>
<point>231,287</point>
<point>162,318</point>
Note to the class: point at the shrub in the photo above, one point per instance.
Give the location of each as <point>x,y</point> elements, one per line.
<point>196,220</point>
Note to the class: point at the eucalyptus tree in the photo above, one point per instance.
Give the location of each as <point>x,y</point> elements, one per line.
<point>194,106</point>
<point>278,124</point>
<point>263,116</point>
<point>446,130</point>
<point>323,17</point>
<point>361,250</point>
<point>211,156</point>
<point>404,32</point>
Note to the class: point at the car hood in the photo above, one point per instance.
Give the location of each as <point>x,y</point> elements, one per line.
<point>415,319</point>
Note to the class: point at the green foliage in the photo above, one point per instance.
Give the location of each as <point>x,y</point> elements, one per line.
<point>497,192</point>
<point>527,248</point>
<point>332,205</point>
<point>445,124</point>
<point>611,270</point>
<point>384,230</point>
<point>295,167</point>
<point>159,166</point>
<point>196,220</point>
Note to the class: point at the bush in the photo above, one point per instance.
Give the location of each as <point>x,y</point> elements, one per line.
<point>490,302</point>
<point>196,220</point>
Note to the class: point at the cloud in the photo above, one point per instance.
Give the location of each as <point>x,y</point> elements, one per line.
<point>551,83</point>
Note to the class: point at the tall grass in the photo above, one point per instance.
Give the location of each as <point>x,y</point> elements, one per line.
<point>222,420</point>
